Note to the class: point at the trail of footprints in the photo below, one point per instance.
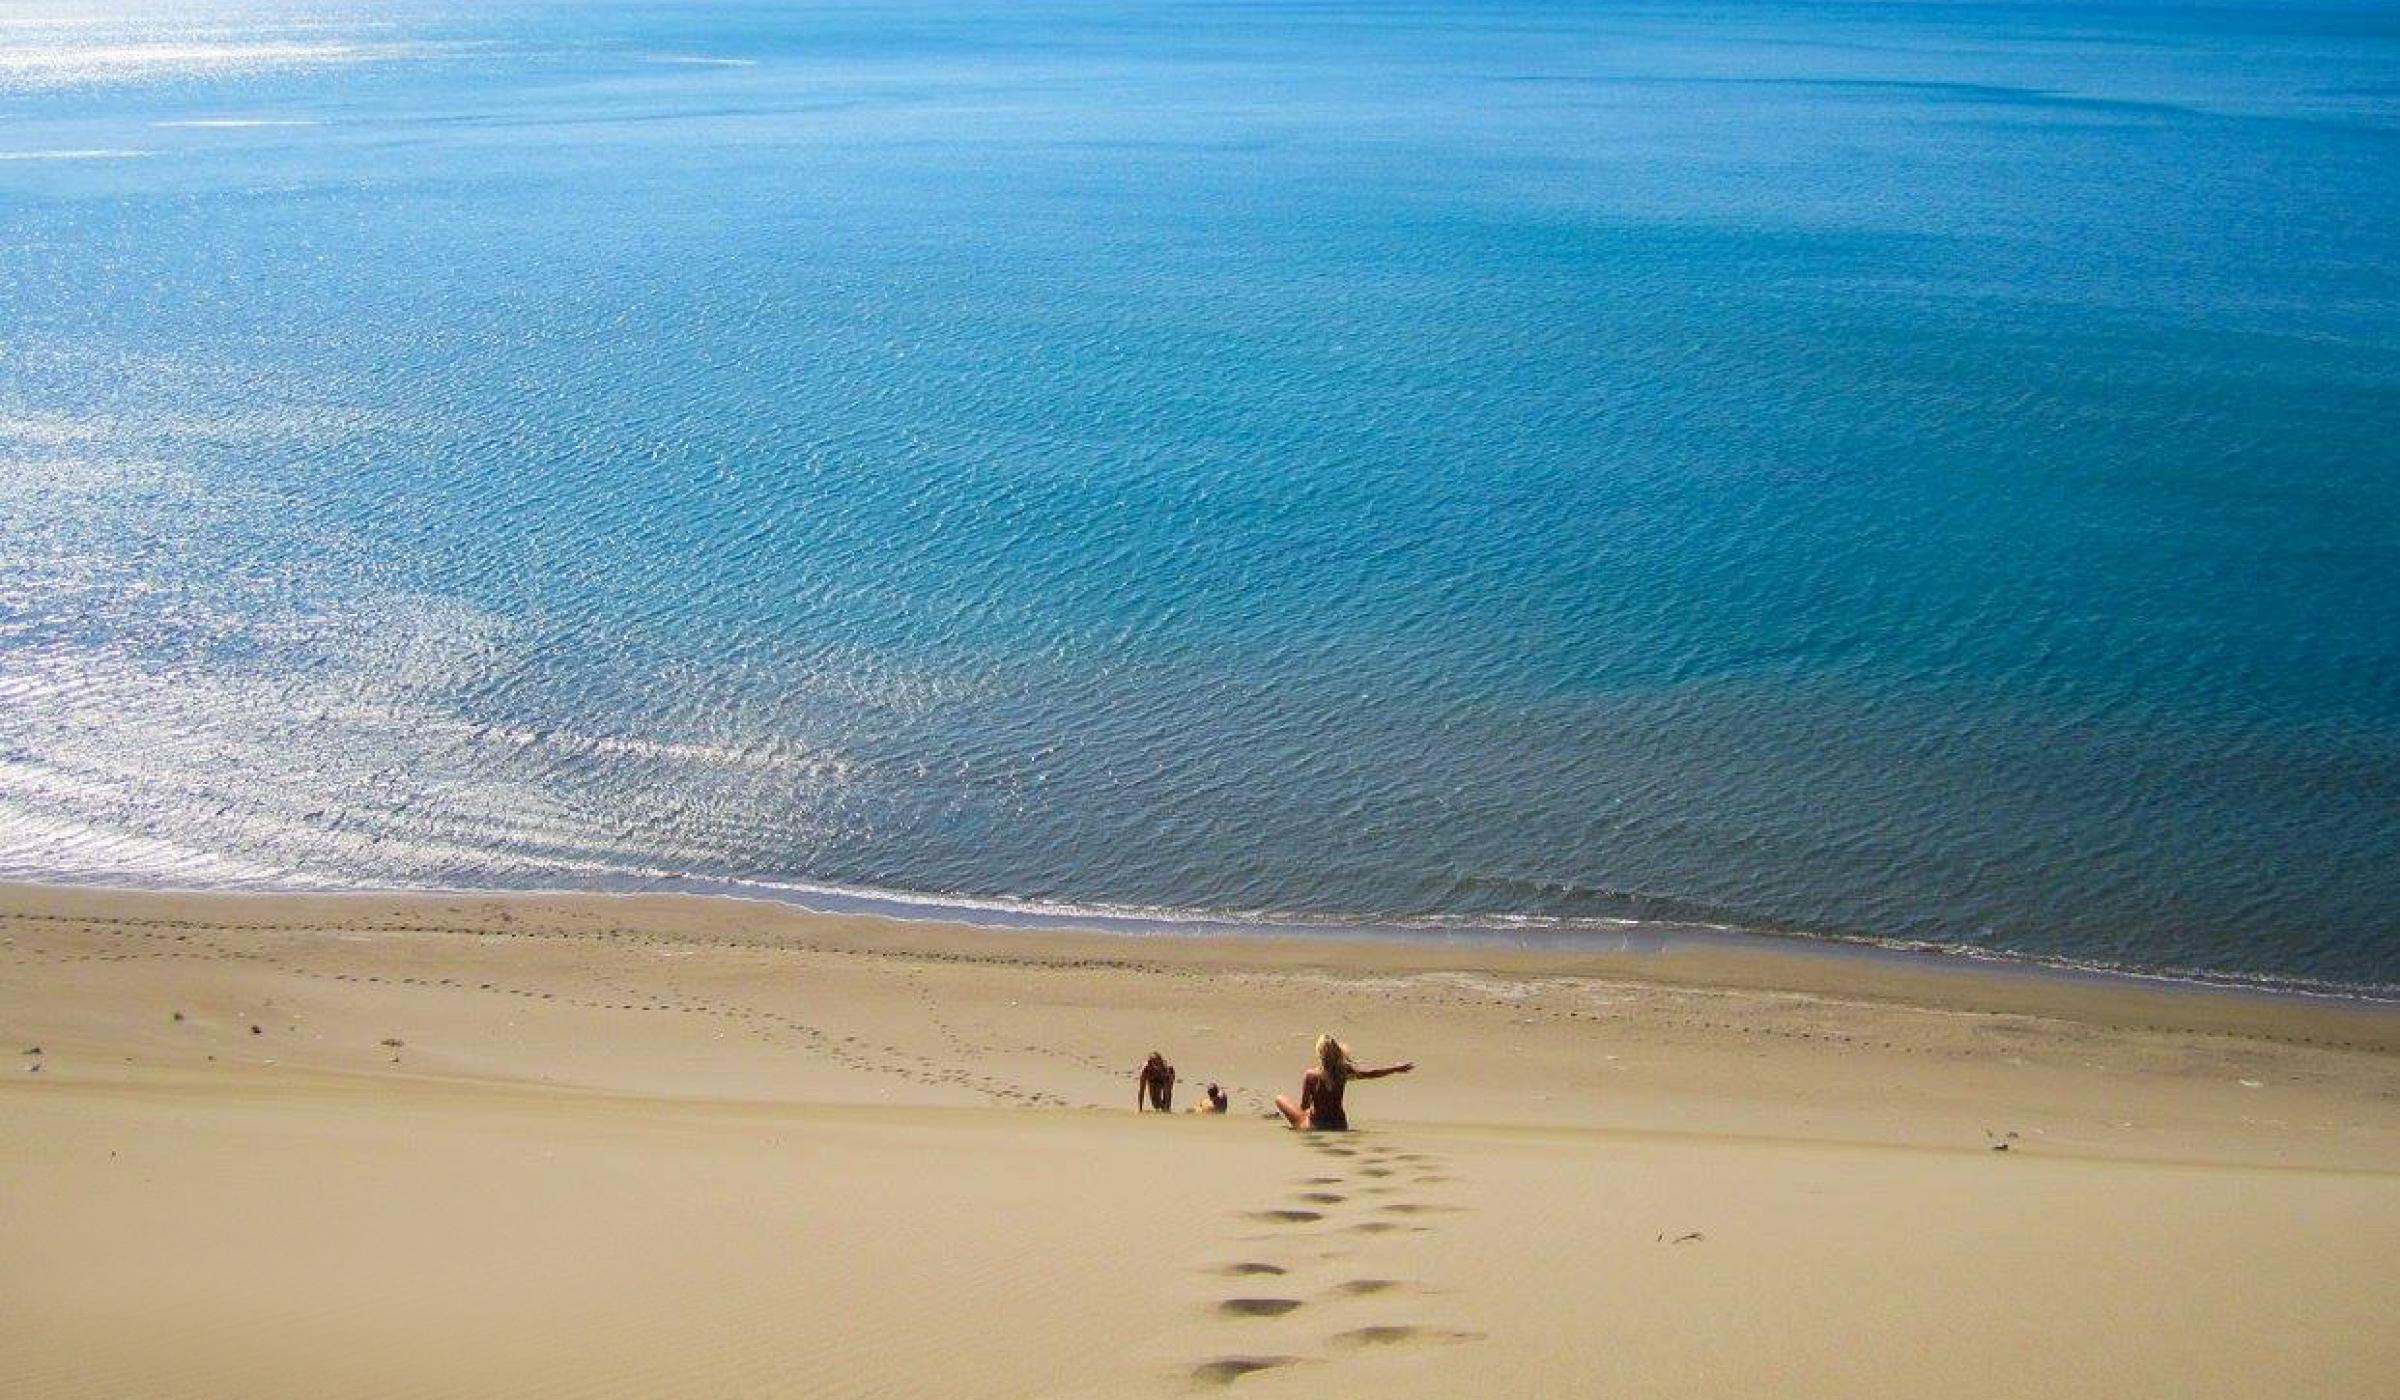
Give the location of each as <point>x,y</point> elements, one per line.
<point>501,921</point>
<point>1316,1264</point>
<point>162,939</point>
<point>963,1047</point>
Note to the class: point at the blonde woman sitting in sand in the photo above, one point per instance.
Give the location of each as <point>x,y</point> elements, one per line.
<point>1320,1106</point>
<point>1212,1100</point>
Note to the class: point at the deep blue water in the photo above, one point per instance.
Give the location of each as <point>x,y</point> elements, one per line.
<point>1920,471</point>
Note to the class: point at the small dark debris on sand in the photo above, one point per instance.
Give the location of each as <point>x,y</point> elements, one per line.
<point>178,1015</point>
<point>255,1030</point>
<point>33,1049</point>
<point>1686,1238</point>
<point>393,1042</point>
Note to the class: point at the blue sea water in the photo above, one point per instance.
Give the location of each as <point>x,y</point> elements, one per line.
<point>1918,471</point>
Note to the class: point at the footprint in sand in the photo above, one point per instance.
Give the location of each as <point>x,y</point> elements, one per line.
<point>1382,1164</point>
<point>1225,1370</point>
<point>1287,1217</point>
<point>1392,1336</point>
<point>1365,1287</point>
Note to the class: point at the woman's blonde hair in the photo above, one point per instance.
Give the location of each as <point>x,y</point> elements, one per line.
<point>1333,1058</point>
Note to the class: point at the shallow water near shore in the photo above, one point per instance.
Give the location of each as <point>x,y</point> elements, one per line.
<point>1918,474</point>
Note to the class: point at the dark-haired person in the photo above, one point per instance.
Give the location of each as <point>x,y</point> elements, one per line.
<point>1154,1086</point>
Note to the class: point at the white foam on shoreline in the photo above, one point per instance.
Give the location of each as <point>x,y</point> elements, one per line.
<point>175,868</point>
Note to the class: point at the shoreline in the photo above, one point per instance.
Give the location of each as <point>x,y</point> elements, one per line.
<point>1691,959</point>
<point>1536,935</point>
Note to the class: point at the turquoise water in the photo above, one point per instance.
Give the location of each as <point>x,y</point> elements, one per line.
<point>1918,471</point>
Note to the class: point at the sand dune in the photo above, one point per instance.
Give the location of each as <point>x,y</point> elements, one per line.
<point>283,1146</point>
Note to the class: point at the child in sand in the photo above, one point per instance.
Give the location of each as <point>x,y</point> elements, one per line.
<point>1213,1101</point>
<point>1320,1106</point>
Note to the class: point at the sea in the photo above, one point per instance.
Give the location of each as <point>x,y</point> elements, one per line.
<point>1920,474</point>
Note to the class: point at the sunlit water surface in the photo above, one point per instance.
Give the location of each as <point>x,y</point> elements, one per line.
<point>1919,472</point>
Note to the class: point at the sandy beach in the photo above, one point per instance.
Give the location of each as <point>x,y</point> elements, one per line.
<point>583,1146</point>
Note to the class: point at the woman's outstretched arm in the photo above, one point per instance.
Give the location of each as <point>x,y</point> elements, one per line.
<point>1402,1068</point>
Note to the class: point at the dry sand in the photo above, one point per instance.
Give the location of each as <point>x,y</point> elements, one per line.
<point>549,1146</point>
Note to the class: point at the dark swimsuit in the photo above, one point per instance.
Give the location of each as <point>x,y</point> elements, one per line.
<point>1324,1117</point>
